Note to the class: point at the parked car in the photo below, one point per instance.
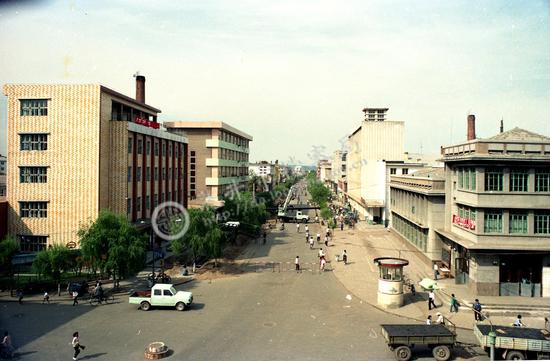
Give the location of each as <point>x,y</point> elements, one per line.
<point>161,295</point>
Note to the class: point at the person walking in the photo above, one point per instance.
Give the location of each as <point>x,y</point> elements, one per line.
<point>76,345</point>
<point>316,219</point>
<point>345,257</point>
<point>454,303</point>
<point>440,319</point>
<point>298,227</point>
<point>326,241</point>
<point>431,300</point>
<point>7,344</point>
<point>46,298</point>
<point>477,310</point>
<point>19,294</point>
<point>307,229</point>
<point>297,263</point>
<point>429,320</point>
<point>318,237</point>
<point>341,226</point>
<point>518,322</point>
<point>311,242</point>
<point>322,264</point>
<point>75,298</point>
<point>307,238</point>
<point>436,271</point>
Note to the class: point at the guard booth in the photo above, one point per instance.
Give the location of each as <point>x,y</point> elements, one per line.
<point>390,281</point>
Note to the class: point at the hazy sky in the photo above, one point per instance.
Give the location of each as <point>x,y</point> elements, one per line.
<point>296,74</point>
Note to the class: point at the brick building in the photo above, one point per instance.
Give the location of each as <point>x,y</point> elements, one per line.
<point>218,159</point>
<point>77,149</point>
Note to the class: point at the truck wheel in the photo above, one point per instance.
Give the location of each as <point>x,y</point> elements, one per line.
<point>304,220</point>
<point>180,306</point>
<point>515,355</point>
<point>145,306</point>
<point>403,353</point>
<point>442,353</point>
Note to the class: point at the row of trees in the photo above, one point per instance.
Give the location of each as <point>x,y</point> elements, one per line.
<point>320,195</point>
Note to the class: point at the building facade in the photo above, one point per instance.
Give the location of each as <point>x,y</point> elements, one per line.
<point>3,164</point>
<point>338,181</point>
<point>496,234</point>
<point>218,160</point>
<point>417,204</point>
<point>78,149</point>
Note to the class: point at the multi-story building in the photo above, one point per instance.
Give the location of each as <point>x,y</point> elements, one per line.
<point>77,149</point>
<point>324,171</point>
<point>417,205</point>
<point>372,145</point>
<point>3,164</point>
<point>496,234</point>
<point>218,160</point>
<point>339,172</point>
<point>266,171</point>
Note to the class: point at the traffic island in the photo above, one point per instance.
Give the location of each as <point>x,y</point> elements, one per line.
<point>156,351</point>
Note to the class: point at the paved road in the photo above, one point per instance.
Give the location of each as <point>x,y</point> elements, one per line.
<point>251,316</point>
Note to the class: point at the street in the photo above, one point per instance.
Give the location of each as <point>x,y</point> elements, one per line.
<point>256,315</point>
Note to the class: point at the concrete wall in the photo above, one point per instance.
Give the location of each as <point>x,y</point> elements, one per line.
<point>484,274</point>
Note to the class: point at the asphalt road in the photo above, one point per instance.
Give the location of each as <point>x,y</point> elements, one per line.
<point>256,315</point>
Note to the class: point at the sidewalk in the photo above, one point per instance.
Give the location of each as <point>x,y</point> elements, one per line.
<point>360,277</point>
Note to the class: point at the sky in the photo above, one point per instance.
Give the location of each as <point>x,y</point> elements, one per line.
<point>296,74</point>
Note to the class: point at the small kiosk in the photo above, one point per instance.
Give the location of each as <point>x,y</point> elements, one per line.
<point>390,281</point>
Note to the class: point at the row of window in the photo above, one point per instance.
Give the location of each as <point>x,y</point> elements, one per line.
<point>157,149</point>
<point>413,233</point>
<point>233,155</point>
<point>34,107</point>
<point>494,179</point>
<point>150,202</point>
<point>33,174</point>
<point>233,171</point>
<point>392,170</point>
<point>159,173</point>
<point>192,179</point>
<point>234,139</point>
<point>518,221</point>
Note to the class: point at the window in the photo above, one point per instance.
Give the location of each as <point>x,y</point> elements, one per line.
<point>33,174</point>
<point>163,173</point>
<point>192,166</point>
<point>473,179</point>
<point>157,292</point>
<point>34,107</point>
<point>460,178</point>
<point>192,194</point>
<point>156,148</point>
<point>33,209</point>
<point>148,174</point>
<point>542,222</point>
<point>518,222</point>
<point>34,141</point>
<point>518,180</point>
<point>405,171</point>
<point>128,205</point>
<point>130,144</point>
<point>129,174</point>
<point>392,170</point>
<point>147,202</point>
<point>493,180</point>
<point>168,293</point>
<point>156,173</point>
<point>138,174</point>
<point>138,204</point>
<point>192,153</point>
<point>148,148</point>
<point>192,179</point>
<point>32,243</point>
<point>170,149</point>
<point>493,221</point>
<point>193,173</point>
<point>140,146</point>
<point>542,180</point>
<point>164,149</point>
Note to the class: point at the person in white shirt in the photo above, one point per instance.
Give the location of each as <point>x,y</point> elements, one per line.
<point>298,227</point>
<point>440,319</point>
<point>310,242</point>
<point>429,320</point>
<point>297,263</point>
<point>436,271</point>
<point>431,300</point>
<point>518,322</point>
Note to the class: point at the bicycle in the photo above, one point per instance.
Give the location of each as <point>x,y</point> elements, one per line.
<point>107,298</point>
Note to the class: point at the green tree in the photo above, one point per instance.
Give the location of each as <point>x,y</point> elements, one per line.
<point>326,214</point>
<point>112,245</point>
<point>319,193</point>
<point>8,249</point>
<point>53,262</point>
<point>244,209</point>
<point>203,237</point>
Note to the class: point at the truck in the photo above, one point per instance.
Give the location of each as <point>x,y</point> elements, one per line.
<point>293,216</point>
<point>515,343</point>
<point>403,337</point>
<point>161,295</point>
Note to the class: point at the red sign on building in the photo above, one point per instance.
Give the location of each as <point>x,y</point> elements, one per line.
<point>147,123</point>
<point>464,222</point>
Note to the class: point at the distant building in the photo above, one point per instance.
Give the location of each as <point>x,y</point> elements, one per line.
<point>78,149</point>
<point>3,186</point>
<point>266,171</point>
<point>218,160</point>
<point>338,181</point>
<point>496,234</point>
<point>324,171</point>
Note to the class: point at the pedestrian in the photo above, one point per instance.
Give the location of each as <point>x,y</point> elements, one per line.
<point>431,300</point>
<point>322,264</point>
<point>326,241</point>
<point>440,319</point>
<point>341,226</point>
<point>19,295</point>
<point>298,227</point>
<point>429,320</point>
<point>297,263</point>
<point>310,242</point>
<point>307,229</point>
<point>518,322</point>
<point>321,254</point>
<point>75,297</point>
<point>477,310</point>
<point>454,303</point>
<point>436,271</point>
<point>76,345</point>
<point>265,236</point>
<point>345,257</point>
<point>318,237</point>
<point>307,238</point>
<point>7,345</point>
<point>46,297</point>
<point>316,219</point>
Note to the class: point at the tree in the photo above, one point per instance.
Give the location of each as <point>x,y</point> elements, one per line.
<point>203,237</point>
<point>112,245</point>
<point>326,214</point>
<point>8,249</point>
<point>319,193</point>
<point>53,262</point>
<point>244,209</point>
